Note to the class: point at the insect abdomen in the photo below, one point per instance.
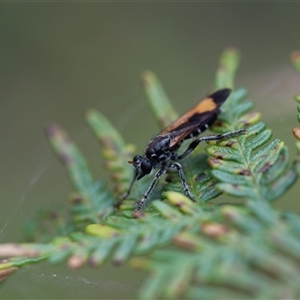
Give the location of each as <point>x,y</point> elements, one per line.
<point>202,127</point>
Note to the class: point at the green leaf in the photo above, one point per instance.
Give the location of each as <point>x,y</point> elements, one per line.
<point>200,250</point>
<point>114,150</point>
<point>70,156</point>
<point>158,101</point>
<point>91,201</point>
<point>227,68</point>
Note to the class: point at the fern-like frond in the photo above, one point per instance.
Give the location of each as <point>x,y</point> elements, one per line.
<point>116,153</point>
<point>240,252</point>
<point>295,58</point>
<point>114,150</point>
<point>47,224</point>
<point>250,166</point>
<point>228,65</point>
<point>117,237</point>
<point>158,100</point>
<point>191,249</point>
<point>91,201</point>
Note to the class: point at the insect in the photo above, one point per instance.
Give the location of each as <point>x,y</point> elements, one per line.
<point>162,151</point>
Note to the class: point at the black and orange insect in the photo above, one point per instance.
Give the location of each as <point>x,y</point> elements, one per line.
<point>162,151</point>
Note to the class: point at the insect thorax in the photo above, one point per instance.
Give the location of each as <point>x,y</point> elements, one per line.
<point>159,151</point>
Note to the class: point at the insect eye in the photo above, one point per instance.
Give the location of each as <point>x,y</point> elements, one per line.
<point>146,166</point>
<point>137,158</point>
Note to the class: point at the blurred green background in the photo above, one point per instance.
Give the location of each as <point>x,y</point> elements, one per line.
<point>58,59</point>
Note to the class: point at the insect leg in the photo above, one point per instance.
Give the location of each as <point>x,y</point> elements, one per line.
<point>117,205</point>
<point>145,198</point>
<point>217,137</point>
<point>178,167</point>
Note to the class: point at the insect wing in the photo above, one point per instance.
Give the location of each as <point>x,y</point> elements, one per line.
<point>199,115</point>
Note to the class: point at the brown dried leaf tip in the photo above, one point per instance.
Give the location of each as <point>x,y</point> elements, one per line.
<point>296,133</point>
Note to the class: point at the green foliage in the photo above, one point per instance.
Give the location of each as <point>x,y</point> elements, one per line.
<point>90,201</point>
<point>295,58</point>
<point>192,250</point>
<point>158,100</point>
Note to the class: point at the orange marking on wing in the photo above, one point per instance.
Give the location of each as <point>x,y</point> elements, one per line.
<point>205,105</point>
